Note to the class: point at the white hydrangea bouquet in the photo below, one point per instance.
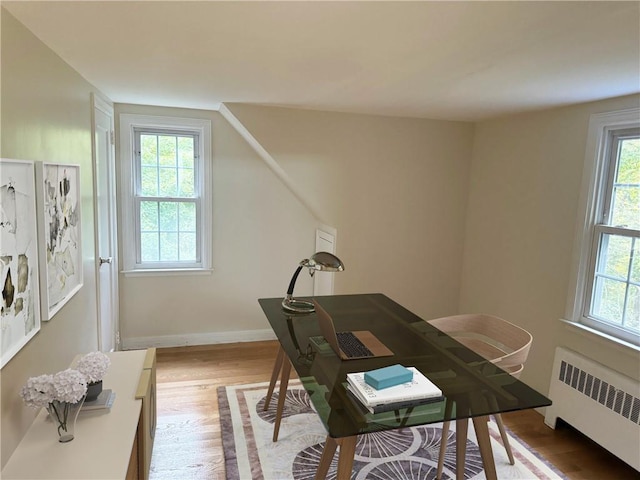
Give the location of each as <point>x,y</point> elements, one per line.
<point>62,394</point>
<point>93,365</point>
<point>66,386</point>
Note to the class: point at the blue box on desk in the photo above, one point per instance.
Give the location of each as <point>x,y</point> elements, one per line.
<point>388,376</point>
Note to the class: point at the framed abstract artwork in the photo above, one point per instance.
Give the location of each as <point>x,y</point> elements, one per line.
<point>60,227</point>
<point>20,310</point>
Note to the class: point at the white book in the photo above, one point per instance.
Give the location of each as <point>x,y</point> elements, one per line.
<point>418,388</point>
<point>436,402</point>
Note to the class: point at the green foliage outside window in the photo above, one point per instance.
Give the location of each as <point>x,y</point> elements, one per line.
<point>626,194</point>
<point>167,216</point>
<point>616,297</point>
<point>167,167</point>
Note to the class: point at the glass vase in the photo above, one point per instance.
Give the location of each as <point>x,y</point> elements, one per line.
<point>64,415</point>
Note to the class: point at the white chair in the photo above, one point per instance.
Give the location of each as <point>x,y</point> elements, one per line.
<point>500,342</point>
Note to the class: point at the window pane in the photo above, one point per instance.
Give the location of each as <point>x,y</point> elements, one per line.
<point>188,247</point>
<point>149,216</point>
<point>625,209</point>
<point>149,250</point>
<point>167,166</point>
<point>168,217</point>
<point>635,267</point>
<point>149,181</point>
<point>608,300</point>
<point>185,152</point>
<point>629,163</point>
<point>168,231</point>
<point>187,182</point>
<point>614,256</point>
<point>149,149</point>
<point>169,247</point>
<point>632,320</point>
<point>167,146</point>
<point>168,182</point>
<point>187,217</point>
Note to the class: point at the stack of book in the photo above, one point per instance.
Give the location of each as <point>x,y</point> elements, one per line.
<point>418,391</point>
<point>103,402</point>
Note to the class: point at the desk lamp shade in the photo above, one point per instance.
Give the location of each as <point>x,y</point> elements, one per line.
<point>320,261</point>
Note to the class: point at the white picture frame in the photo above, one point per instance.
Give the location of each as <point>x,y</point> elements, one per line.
<point>60,235</point>
<point>19,257</point>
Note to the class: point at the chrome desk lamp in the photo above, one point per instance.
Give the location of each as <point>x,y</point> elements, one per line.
<point>321,261</point>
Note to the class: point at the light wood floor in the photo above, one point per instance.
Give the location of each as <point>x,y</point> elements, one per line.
<point>188,444</point>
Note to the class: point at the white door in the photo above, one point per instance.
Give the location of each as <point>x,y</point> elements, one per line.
<point>106,233</point>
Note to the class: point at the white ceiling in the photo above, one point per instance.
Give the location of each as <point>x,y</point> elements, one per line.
<point>441,60</point>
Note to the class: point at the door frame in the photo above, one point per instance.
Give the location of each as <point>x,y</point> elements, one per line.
<point>105,106</point>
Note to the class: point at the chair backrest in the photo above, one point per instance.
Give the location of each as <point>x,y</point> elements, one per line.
<point>501,342</point>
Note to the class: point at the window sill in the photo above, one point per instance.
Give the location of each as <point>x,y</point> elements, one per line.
<point>601,337</point>
<point>158,272</point>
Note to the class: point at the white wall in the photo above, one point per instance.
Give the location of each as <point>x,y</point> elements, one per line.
<point>523,205</point>
<point>46,116</point>
<point>395,189</point>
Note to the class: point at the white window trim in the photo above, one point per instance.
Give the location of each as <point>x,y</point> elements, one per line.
<point>128,122</point>
<point>592,177</point>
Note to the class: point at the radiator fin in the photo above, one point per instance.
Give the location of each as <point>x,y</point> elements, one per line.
<point>597,389</point>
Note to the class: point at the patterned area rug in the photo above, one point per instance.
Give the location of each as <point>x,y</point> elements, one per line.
<point>409,453</point>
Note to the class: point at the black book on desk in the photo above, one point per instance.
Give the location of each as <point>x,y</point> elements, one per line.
<point>103,402</point>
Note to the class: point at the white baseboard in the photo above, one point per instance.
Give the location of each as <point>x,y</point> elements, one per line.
<point>138,343</point>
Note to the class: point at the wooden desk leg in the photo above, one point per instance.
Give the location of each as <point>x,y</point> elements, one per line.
<point>274,377</point>
<point>345,460</point>
<point>448,408</point>
<point>284,383</point>
<point>329,450</point>
<point>505,438</point>
<point>484,443</point>
<point>462,426</point>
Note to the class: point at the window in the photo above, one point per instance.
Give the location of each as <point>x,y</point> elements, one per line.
<point>166,192</point>
<point>608,290</point>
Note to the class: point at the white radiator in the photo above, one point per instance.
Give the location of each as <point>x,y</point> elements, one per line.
<point>600,402</point>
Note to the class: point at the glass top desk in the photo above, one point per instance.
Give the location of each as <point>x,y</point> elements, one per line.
<point>472,386</point>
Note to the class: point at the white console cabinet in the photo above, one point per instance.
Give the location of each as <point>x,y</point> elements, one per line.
<point>110,444</point>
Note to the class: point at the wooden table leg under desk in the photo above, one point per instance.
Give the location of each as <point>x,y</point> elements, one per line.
<point>282,394</point>
<point>444,437</point>
<point>462,426</point>
<point>345,460</point>
<point>277,366</point>
<point>484,443</point>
